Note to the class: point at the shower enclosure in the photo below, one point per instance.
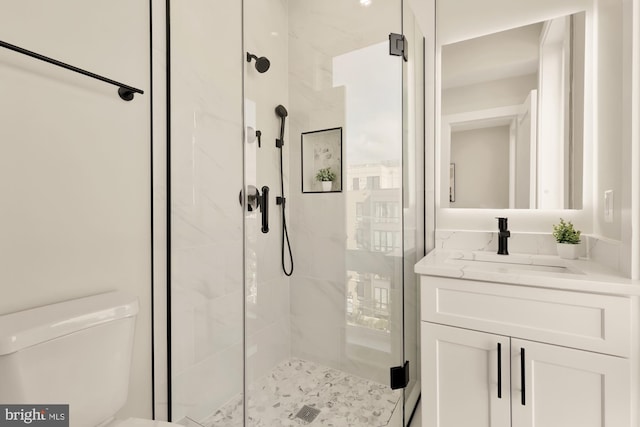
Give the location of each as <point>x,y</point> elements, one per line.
<point>316,322</point>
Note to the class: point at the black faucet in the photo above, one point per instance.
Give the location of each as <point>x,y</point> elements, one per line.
<point>503,235</point>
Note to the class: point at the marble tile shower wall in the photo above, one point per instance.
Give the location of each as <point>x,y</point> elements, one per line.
<point>318,291</point>
<point>207,233</point>
<point>267,288</point>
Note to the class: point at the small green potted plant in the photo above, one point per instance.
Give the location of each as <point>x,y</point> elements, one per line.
<point>567,238</point>
<point>326,177</point>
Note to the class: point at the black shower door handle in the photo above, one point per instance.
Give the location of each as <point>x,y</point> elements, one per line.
<point>264,208</point>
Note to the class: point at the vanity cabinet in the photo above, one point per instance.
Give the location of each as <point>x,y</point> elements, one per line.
<point>477,379</point>
<point>499,355</point>
<point>461,381</point>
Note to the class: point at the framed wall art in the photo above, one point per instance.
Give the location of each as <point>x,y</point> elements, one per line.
<point>322,161</point>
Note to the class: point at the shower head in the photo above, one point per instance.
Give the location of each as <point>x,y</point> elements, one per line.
<point>262,63</point>
<point>281,111</point>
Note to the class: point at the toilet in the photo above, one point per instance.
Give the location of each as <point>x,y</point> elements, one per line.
<point>75,352</point>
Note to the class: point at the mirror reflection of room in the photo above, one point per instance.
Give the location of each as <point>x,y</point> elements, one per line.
<point>512,117</point>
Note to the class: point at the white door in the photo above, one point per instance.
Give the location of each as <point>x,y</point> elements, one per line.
<point>565,387</point>
<point>460,378</point>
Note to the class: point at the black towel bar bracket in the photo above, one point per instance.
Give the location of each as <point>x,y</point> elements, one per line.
<point>125,92</point>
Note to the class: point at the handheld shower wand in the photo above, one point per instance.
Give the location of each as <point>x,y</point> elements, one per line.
<point>282,113</point>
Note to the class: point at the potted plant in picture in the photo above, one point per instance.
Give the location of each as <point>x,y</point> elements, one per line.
<point>326,177</point>
<point>568,239</point>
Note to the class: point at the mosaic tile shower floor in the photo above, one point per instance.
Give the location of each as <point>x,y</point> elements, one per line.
<point>343,399</point>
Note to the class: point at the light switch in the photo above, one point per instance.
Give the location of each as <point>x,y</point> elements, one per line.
<point>608,206</point>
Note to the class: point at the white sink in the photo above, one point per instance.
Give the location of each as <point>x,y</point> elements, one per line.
<point>543,271</point>
<point>497,265</point>
<point>487,261</point>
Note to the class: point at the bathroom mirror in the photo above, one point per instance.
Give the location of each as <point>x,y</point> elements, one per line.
<point>512,114</point>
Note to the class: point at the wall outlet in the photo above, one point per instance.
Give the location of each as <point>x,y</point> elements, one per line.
<point>608,206</point>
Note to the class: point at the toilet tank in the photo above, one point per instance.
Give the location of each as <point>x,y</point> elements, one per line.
<point>75,352</point>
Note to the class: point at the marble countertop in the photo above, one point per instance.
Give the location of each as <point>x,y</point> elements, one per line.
<point>544,271</point>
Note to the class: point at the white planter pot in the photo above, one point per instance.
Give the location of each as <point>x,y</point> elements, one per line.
<point>568,250</point>
<point>326,185</point>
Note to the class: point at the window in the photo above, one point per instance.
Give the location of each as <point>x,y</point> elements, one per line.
<point>360,290</point>
<point>359,211</point>
<point>360,240</point>
<point>356,183</point>
<point>385,241</point>
<point>381,298</point>
<point>373,183</point>
<point>386,212</point>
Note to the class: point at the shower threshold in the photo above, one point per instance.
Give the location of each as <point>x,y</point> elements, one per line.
<point>299,392</point>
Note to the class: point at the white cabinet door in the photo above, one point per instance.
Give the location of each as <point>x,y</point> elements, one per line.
<point>565,387</point>
<point>460,378</point>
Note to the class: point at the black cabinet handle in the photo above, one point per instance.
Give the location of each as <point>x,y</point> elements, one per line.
<point>264,207</point>
<point>499,371</point>
<point>522,378</point>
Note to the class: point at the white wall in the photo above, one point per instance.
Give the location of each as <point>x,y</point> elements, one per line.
<point>609,143</point>
<point>631,219</point>
<point>480,17</point>
<point>482,96</point>
<point>75,163</point>
<point>630,122</point>
<point>496,56</point>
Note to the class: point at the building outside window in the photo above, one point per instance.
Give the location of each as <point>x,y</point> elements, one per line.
<point>385,241</point>
<point>359,211</point>
<point>373,183</point>
<point>386,212</point>
<point>381,298</point>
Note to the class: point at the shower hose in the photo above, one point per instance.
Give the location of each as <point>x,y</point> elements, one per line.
<point>285,233</point>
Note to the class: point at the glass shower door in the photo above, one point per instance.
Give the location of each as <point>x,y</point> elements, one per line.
<point>205,225</point>
<point>319,344</point>
<point>413,196</point>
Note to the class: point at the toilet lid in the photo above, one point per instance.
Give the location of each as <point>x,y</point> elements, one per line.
<point>139,422</point>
